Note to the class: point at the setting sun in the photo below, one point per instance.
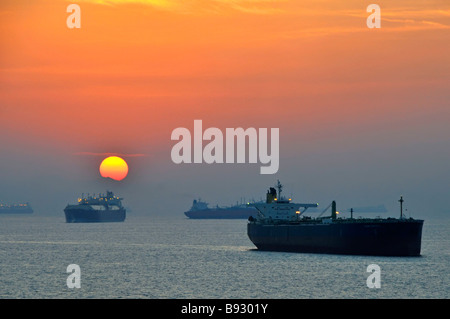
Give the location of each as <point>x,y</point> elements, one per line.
<point>114,167</point>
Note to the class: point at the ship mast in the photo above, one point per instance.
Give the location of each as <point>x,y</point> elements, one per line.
<point>401,206</point>
<point>280,187</point>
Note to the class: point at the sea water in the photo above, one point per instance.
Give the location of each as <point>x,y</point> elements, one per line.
<point>175,257</point>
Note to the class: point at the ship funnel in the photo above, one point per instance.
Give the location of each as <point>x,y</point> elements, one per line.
<point>271,195</point>
<point>333,210</point>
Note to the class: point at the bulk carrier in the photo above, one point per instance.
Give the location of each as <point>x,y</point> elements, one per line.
<point>279,225</point>
<point>100,209</point>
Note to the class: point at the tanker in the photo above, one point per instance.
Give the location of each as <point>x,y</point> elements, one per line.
<point>281,225</point>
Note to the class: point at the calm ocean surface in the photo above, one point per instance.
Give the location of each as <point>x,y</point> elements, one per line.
<point>174,257</point>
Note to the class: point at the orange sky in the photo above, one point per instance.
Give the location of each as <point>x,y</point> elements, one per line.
<point>136,64</point>
<point>136,70</point>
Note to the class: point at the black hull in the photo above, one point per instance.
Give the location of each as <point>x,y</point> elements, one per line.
<point>382,238</point>
<point>94,216</point>
<point>16,212</point>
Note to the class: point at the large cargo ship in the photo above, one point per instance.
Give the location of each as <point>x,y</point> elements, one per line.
<point>101,208</point>
<point>201,210</point>
<point>16,209</point>
<point>280,226</point>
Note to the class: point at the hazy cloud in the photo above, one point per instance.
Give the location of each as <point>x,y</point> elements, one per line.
<point>109,154</point>
<point>202,6</point>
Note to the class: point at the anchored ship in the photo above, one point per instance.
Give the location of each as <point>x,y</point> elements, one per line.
<point>201,210</point>
<point>280,225</point>
<point>16,209</point>
<point>101,208</point>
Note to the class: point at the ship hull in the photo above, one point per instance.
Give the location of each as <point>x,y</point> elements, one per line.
<point>79,215</point>
<point>388,238</point>
<point>221,213</point>
<point>16,211</point>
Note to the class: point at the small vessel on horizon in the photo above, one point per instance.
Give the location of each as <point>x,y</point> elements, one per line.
<point>100,209</point>
<point>23,208</point>
<point>201,210</point>
<point>279,225</point>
